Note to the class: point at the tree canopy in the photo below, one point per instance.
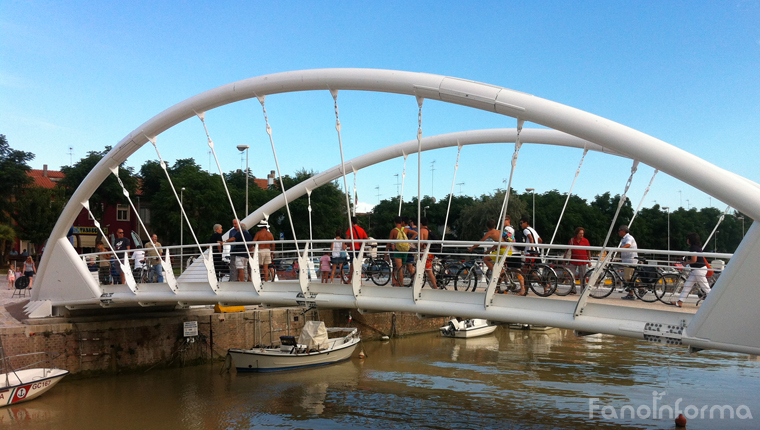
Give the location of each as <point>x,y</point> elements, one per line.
<point>31,212</point>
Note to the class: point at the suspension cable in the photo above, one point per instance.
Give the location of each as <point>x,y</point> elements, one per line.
<point>115,172</point>
<point>504,205</point>
<point>86,205</point>
<point>451,194</point>
<point>202,117</point>
<point>569,193</point>
<point>277,165</point>
<point>403,177</point>
<point>174,190</point>
<point>720,220</point>
<point>311,236</point>
<point>621,202</point>
<point>646,191</point>
<point>334,94</point>
<point>419,174</point>
<point>599,270</point>
<point>355,195</point>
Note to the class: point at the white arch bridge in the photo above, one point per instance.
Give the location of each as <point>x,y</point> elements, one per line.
<point>727,320</point>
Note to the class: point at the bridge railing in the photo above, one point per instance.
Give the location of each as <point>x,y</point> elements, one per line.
<point>188,265</point>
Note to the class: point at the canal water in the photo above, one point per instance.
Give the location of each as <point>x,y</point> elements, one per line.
<point>513,379</point>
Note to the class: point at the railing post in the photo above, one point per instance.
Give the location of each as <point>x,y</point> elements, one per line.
<point>419,274</point>
<point>253,262</point>
<point>303,274</point>
<point>356,277</point>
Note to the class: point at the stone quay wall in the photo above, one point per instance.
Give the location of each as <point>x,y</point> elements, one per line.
<point>92,346</point>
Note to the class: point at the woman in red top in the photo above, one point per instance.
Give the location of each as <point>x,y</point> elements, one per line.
<point>579,260</point>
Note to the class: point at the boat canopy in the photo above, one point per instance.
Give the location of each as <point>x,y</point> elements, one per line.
<point>314,335</point>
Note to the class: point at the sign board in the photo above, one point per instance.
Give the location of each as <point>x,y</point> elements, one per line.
<point>191,328</point>
<point>282,236</point>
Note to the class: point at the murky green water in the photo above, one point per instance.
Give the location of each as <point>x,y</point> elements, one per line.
<point>511,379</point>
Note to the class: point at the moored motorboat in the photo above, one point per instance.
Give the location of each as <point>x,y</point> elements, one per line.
<point>314,347</point>
<point>26,383</point>
<point>467,328</point>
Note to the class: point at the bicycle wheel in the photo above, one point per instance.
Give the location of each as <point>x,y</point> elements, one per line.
<point>345,273</point>
<point>408,276</point>
<point>542,280</point>
<point>380,272</point>
<point>672,286</point>
<point>465,279</point>
<point>603,287</point>
<point>565,281</point>
<point>512,280</point>
<point>439,270</point>
<point>645,286</point>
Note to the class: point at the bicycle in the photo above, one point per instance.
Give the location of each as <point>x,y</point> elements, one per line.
<point>144,275</point>
<point>541,278</point>
<point>565,279</point>
<point>646,282</point>
<point>375,269</point>
<point>445,271</point>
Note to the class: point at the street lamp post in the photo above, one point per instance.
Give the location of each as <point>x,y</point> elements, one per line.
<point>715,248</point>
<point>742,218</point>
<point>181,228</point>
<point>533,219</point>
<point>424,211</point>
<point>668,209</point>
<point>242,148</point>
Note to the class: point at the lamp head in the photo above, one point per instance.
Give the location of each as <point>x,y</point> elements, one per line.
<point>242,148</point>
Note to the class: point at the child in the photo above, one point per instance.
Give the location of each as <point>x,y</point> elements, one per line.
<point>12,276</point>
<point>325,266</point>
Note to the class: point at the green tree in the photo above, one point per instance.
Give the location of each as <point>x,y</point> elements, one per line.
<point>204,200</point>
<point>471,223</point>
<point>37,211</point>
<point>13,177</point>
<point>7,236</point>
<point>328,214</point>
<point>109,193</point>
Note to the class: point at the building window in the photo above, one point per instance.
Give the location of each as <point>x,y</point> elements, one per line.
<point>145,215</point>
<point>122,212</point>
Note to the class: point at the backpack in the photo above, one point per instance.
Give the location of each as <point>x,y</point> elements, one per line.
<point>519,236</point>
<point>402,246</point>
<point>435,248</point>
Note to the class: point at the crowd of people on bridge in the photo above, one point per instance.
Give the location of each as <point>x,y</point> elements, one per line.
<point>517,248</point>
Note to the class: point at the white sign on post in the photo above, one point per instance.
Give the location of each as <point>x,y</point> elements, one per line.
<point>191,328</point>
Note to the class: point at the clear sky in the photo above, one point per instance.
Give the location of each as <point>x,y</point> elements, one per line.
<point>83,75</point>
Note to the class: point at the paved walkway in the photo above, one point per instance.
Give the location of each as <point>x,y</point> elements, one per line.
<point>11,308</point>
<point>15,304</point>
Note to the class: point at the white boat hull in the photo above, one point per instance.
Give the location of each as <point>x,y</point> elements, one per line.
<point>27,384</point>
<point>275,359</point>
<point>478,328</point>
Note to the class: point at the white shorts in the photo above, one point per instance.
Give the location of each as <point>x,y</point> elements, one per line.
<point>265,256</point>
<point>241,262</point>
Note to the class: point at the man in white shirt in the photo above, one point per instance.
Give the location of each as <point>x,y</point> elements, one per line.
<point>628,258</point>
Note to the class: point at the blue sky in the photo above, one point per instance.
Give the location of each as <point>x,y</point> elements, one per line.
<point>85,74</point>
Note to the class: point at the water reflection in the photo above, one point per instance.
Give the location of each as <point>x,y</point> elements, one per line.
<point>510,379</point>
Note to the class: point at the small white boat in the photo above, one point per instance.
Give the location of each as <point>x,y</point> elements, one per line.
<point>467,328</point>
<point>520,326</point>
<point>314,347</point>
<point>26,383</point>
